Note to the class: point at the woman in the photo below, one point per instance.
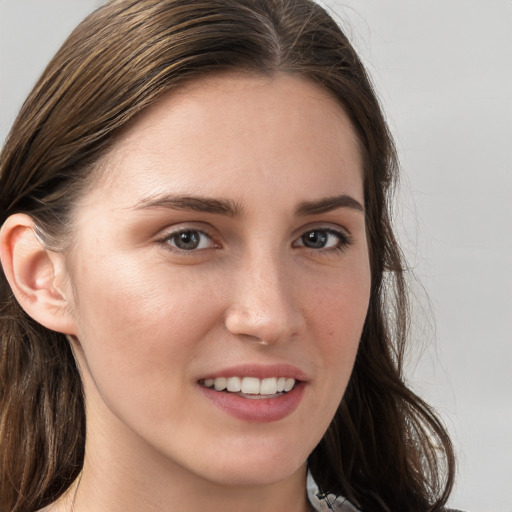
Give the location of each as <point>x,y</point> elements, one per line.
<point>203,303</point>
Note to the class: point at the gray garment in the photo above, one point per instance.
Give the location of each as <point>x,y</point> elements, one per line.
<point>327,502</point>
<point>330,502</point>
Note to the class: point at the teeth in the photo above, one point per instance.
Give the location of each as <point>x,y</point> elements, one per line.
<point>269,387</point>
<point>288,385</point>
<point>220,384</point>
<point>251,385</point>
<point>234,385</point>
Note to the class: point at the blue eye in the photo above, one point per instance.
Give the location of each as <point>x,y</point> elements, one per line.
<point>190,240</point>
<point>323,239</point>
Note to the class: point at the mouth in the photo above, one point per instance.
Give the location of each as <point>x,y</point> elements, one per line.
<point>251,387</point>
<point>256,393</point>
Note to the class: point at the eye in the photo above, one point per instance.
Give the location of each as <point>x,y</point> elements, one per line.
<point>323,239</point>
<point>189,240</point>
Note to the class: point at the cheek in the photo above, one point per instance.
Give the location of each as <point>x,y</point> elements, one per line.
<point>136,323</point>
<point>130,296</point>
<point>340,305</point>
<point>339,309</point>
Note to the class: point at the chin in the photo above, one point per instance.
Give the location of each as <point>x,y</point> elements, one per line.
<point>255,477</point>
<point>256,468</point>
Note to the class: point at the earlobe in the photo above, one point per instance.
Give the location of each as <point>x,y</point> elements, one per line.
<point>36,275</point>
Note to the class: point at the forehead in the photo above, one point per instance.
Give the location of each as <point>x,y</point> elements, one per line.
<point>230,132</point>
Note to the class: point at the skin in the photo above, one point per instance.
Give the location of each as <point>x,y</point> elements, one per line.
<point>148,321</point>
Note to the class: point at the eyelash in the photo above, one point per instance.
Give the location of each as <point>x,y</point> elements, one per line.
<point>166,241</point>
<point>344,241</point>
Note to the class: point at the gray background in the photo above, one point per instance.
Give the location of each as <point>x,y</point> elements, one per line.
<point>443,71</point>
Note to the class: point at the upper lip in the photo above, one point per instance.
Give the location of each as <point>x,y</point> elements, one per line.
<point>259,371</point>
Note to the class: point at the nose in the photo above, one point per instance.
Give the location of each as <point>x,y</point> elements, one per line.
<point>264,306</point>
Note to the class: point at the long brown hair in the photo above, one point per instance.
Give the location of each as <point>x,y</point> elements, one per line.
<point>385,449</point>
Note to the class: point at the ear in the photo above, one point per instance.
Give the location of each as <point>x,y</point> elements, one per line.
<point>37,276</point>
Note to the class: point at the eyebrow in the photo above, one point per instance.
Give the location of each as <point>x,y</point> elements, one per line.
<point>232,209</point>
<point>328,204</point>
<point>191,203</point>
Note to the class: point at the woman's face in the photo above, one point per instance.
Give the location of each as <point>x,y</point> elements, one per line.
<point>223,245</point>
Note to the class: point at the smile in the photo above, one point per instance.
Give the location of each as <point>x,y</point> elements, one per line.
<point>251,387</point>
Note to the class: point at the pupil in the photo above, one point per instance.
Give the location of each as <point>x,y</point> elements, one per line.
<point>187,240</point>
<point>315,239</point>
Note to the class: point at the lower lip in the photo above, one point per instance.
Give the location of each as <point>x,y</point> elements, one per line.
<point>257,410</point>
